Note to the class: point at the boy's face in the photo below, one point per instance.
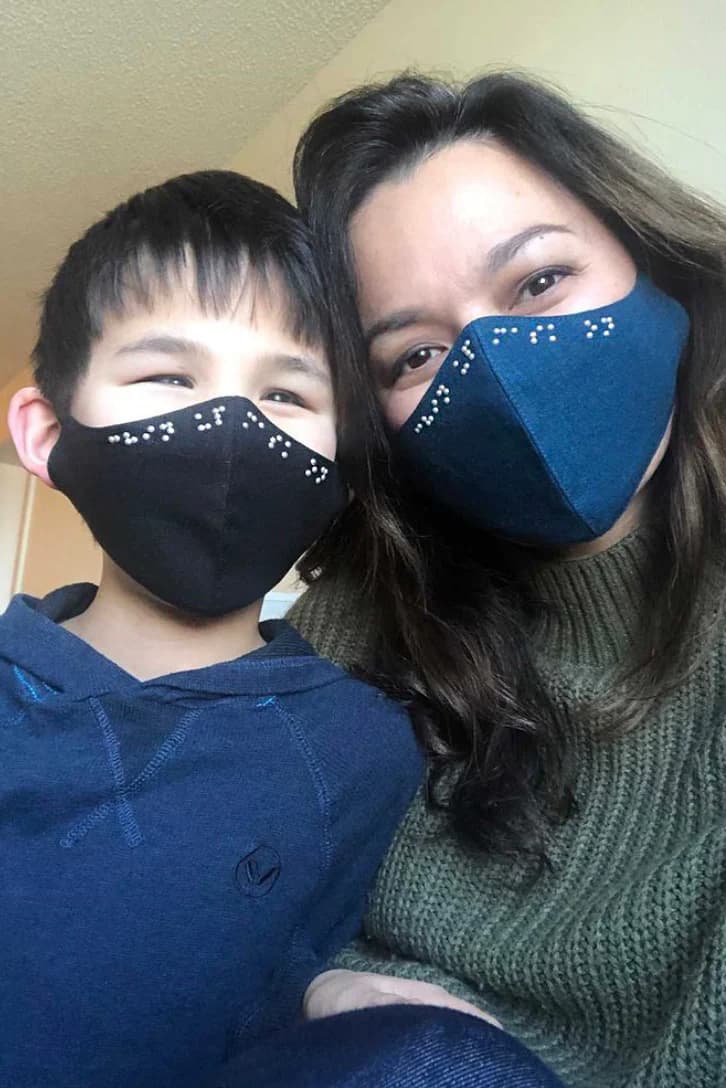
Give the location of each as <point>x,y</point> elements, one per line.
<point>150,362</point>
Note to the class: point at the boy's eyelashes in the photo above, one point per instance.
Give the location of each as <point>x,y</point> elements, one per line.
<point>277,396</point>
<point>284,396</point>
<point>166,379</point>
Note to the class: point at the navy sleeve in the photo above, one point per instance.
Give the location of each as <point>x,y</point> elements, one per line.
<point>370,768</point>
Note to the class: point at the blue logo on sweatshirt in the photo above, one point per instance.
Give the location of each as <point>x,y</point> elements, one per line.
<point>257,873</point>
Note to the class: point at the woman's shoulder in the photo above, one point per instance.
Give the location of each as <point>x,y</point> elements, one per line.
<point>337,618</point>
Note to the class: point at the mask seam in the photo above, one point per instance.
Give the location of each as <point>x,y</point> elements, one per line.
<point>532,440</point>
<point>225,549</point>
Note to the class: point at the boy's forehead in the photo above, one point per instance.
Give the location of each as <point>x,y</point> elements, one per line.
<point>259,312</point>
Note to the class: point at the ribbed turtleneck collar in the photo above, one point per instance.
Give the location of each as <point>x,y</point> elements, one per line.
<point>593,605</point>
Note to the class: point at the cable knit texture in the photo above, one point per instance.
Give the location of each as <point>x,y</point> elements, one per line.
<point>612,966</point>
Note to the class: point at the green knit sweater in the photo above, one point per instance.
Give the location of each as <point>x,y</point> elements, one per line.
<point>612,966</point>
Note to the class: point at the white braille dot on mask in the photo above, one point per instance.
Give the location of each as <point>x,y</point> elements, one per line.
<point>540,328</point>
<point>288,444</point>
<point>589,335</point>
<point>246,425</point>
<point>284,454</point>
<point>308,472</point>
<point>200,427</point>
<point>588,322</point>
<point>165,438</point>
<point>197,415</point>
<point>553,339</point>
<point>606,332</point>
<point>550,327</point>
<point>146,437</point>
<point>514,329</point>
<point>496,340</point>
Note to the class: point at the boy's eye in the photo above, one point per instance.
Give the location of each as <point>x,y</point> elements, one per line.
<point>284,396</point>
<point>167,379</point>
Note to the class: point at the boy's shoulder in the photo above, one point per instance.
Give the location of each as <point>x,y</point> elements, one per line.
<point>27,611</point>
<point>347,717</point>
<point>28,618</point>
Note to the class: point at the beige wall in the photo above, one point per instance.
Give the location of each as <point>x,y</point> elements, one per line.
<point>60,549</point>
<point>13,495</point>
<point>24,377</point>
<point>652,68</point>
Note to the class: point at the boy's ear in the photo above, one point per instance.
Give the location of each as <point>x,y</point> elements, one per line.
<point>35,429</point>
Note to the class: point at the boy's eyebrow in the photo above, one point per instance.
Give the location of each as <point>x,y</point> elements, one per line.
<point>298,364</point>
<point>166,345</point>
<point>179,345</point>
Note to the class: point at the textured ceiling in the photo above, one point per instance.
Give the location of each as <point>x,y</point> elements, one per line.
<point>100,98</point>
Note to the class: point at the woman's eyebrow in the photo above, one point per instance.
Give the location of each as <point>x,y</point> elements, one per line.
<point>401,319</point>
<point>498,256</point>
<point>505,251</point>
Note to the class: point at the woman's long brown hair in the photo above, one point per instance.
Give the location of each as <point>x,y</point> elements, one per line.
<point>455,617</point>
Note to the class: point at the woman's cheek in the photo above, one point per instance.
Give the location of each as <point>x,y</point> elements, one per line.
<point>400,404</point>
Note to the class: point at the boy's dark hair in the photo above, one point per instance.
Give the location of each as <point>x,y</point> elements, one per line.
<point>218,225</point>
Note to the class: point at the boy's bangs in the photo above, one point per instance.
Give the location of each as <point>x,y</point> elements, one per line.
<point>219,280</point>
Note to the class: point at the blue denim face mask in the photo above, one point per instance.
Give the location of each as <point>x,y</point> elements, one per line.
<point>540,429</point>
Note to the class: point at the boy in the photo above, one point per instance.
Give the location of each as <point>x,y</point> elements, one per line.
<point>193,804</point>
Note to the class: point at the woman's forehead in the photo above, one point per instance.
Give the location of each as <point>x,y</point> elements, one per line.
<point>441,220</point>
<point>471,183</point>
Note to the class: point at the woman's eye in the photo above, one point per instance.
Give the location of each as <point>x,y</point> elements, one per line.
<point>284,396</point>
<point>415,360</point>
<point>542,282</point>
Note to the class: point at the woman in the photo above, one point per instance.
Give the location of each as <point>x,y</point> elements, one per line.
<point>543,314</point>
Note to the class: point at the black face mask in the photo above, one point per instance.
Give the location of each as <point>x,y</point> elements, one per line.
<point>206,507</point>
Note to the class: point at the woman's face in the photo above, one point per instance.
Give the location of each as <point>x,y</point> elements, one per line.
<point>473,231</point>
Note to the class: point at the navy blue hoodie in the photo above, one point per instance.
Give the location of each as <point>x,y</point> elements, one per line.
<point>180,856</point>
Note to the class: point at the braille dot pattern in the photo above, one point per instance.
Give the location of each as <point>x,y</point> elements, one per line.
<point>544,332</point>
<point>277,443</point>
